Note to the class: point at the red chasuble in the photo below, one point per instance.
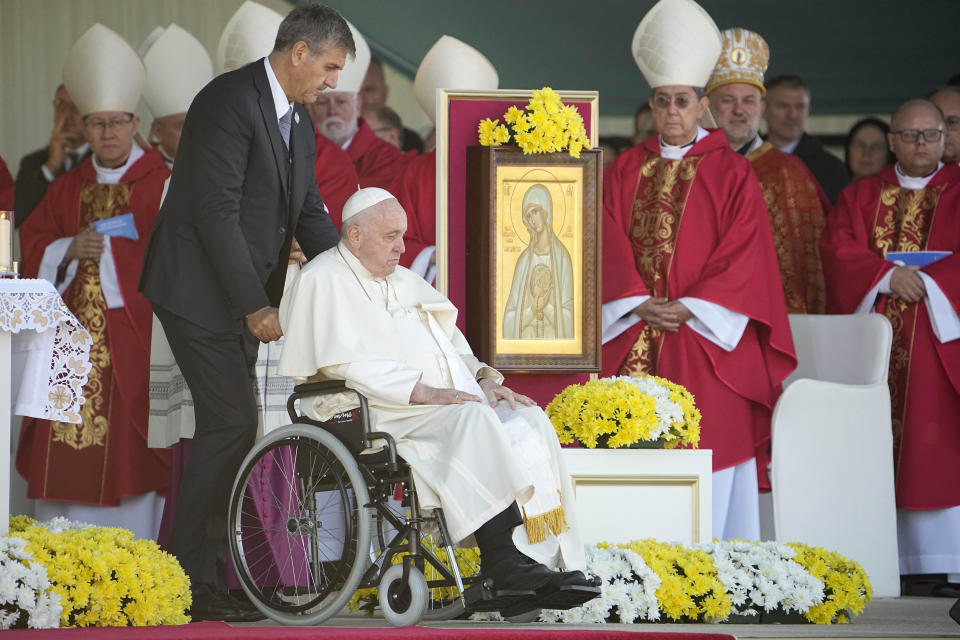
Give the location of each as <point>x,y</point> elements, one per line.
<point>105,458</point>
<point>416,190</point>
<point>337,180</point>
<point>378,163</point>
<point>697,227</point>
<point>875,215</point>
<point>797,207</point>
<point>6,187</point>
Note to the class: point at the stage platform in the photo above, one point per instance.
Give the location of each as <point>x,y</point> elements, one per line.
<point>893,618</point>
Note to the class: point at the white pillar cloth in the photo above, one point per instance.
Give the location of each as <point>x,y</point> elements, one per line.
<point>929,540</point>
<point>736,502</point>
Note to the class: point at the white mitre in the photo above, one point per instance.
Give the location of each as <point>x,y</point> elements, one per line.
<point>452,64</point>
<point>249,35</point>
<point>103,73</point>
<point>355,68</point>
<point>363,199</point>
<point>177,68</point>
<point>676,44</point>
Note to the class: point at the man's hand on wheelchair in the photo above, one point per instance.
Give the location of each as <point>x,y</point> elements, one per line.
<point>424,394</point>
<point>496,392</point>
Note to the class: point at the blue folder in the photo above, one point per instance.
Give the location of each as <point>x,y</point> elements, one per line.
<point>118,226</point>
<point>916,258</point>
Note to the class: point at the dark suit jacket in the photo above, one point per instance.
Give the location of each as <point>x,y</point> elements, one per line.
<point>31,184</point>
<point>235,200</point>
<point>828,169</point>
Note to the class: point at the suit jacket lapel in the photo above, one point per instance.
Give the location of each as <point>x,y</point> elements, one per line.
<point>269,112</point>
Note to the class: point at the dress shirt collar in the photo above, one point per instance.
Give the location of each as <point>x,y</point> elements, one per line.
<point>279,97</point>
<point>790,147</point>
<point>113,176</point>
<point>909,182</point>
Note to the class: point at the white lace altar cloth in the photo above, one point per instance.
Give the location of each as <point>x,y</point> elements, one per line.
<point>53,347</point>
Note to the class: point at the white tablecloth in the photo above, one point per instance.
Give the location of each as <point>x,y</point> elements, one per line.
<point>52,346</point>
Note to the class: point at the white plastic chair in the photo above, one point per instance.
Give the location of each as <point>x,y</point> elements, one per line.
<point>832,445</point>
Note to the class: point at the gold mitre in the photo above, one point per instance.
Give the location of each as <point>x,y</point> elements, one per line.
<point>676,43</point>
<point>744,58</point>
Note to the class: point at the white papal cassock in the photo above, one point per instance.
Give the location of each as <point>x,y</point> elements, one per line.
<point>382,336</point>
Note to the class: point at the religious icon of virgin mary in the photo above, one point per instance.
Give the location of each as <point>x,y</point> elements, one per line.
<point>540,305</point>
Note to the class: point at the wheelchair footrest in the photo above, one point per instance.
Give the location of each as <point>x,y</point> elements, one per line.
<point>564,597</point>
<point>486,597</point>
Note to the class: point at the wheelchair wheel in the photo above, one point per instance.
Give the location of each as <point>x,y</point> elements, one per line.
<point>402,603</point>
<point>299,531</point>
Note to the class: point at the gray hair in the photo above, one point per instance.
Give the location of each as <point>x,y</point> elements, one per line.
<point>319,26</point>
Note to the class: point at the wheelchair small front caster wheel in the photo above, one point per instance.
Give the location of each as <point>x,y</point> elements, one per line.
<point>403,603</point>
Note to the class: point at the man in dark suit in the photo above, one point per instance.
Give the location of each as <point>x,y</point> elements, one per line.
<point>242,187</point>
<point>67,148</point>
<point>788,107</point>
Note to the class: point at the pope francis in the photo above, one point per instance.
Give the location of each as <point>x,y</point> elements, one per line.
<point>484,454</point>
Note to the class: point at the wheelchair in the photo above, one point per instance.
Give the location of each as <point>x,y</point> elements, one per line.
<point>316,514</point>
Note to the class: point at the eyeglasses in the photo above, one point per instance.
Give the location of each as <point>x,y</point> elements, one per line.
<point>104,125</point>
<point>953,122</point>
<point>913,135</point>
<point>682,101</point>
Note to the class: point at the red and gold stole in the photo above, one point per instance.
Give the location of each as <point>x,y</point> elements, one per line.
<point>797,219</point>
<point>659,200</point>
<point>902,222</point>
<point>86,443</point>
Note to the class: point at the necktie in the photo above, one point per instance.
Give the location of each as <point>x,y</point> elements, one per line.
<point>285,126</point>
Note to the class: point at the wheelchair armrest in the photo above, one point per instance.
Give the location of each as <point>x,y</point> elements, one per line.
<point>317,388</point>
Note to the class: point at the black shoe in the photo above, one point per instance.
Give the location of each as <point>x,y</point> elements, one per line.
<point>946,590</point>
<point>515,572</point>
<point>210,603</point>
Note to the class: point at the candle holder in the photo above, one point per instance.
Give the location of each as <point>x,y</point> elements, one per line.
<point>8,268</point>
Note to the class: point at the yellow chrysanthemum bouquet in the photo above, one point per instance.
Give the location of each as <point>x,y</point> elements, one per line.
<point>846,586</point>
<point>622,412</point>
<point>545,125</point>
<point>104,576</point>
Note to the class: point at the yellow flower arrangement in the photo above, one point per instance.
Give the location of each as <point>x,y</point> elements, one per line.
<point>618,412</point>
<point>105,577</point>
<point>845,583</point>
<point>690,589</point>
<point>545,125</point>
<point>468,561</point>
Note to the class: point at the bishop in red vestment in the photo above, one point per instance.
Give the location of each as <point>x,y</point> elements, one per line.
<point>912,206</point>
<point>793,198</point>
<point>336,178</point>
<point>416,191</point>
<point>691,291</point>
<point>105,459</point>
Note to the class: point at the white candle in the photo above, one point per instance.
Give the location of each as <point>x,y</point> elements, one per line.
<point>6,241</point>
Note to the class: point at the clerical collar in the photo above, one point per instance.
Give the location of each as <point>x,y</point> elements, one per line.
<point>790,147</point>
<point>751,146</point>
<point>166,157</point>
<point>113,176</point>
<point>346,144</point>
<point>359,271</point>
<point>909,182</point>
<point>676,152</point>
